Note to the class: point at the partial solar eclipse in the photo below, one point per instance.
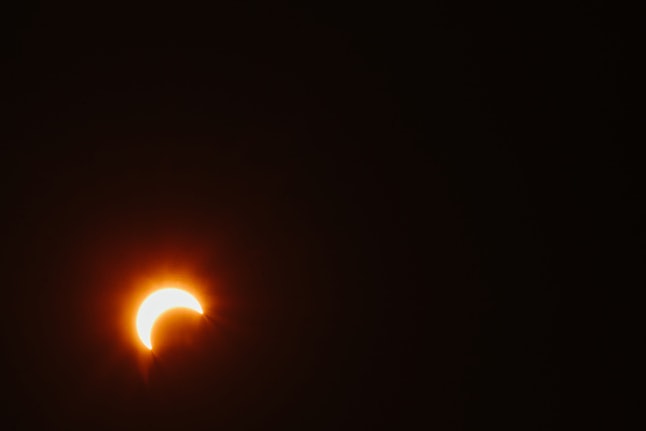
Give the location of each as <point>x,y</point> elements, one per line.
<point>156,304</point>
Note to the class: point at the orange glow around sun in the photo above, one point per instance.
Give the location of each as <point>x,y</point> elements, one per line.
<point>161,293</point>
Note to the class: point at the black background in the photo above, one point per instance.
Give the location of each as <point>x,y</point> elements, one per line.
<point>401,217</point>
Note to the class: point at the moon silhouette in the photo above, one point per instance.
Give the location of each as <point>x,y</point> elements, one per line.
<point>156,304</point>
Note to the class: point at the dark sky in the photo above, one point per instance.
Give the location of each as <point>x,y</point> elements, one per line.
<point>398,218</point>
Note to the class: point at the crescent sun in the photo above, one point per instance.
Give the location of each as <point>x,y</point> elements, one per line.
<point>158,303</point>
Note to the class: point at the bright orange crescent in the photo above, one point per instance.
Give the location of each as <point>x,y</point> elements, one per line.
<point>158,303</point>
